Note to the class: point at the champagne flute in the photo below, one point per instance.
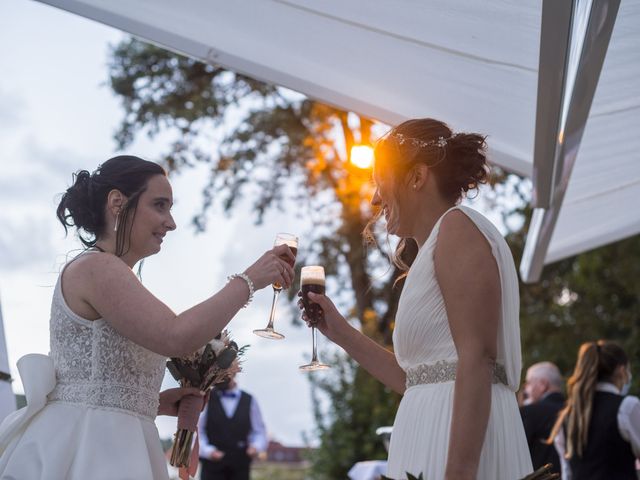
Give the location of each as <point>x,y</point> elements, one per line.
<point>268,332</point>
<point>312,280</point>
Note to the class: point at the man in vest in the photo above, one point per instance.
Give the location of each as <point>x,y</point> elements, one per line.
<point>232,434</point>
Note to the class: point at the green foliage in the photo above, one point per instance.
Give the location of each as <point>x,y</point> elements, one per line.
<point>584,298</point>
<point>269,136</point>
<point>270,471</point>
<point>358,404</point>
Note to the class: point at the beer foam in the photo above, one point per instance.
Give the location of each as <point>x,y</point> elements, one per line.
<point>286,239</point>
<point>312,281</point>
<point>289,243</point>
<point>312,275</point>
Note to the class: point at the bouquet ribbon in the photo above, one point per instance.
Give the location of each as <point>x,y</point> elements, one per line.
<point>188,414</point>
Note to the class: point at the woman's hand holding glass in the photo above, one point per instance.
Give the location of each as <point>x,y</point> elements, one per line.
<point>332,324</point>
<point>273,267</point>
<point>285,242</point>
<point>312,281</point>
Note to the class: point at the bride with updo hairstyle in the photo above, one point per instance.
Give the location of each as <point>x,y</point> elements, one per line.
<point>456,342</point>
<point>82,205</point>
<point>91,403</point>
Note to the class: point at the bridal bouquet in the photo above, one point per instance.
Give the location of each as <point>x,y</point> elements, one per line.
<point>215,363</point>
<point>543,473</point>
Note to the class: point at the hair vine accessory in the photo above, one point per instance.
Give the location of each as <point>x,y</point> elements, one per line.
<point>440,142</point>
<point>246,278</point>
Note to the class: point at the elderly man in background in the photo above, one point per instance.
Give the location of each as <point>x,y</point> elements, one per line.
<point>543,401</point>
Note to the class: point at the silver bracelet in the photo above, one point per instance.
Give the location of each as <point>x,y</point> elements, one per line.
<point>246,278</point>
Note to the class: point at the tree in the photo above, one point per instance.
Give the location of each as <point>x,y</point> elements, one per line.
<point>583,298</point>
<point>280,140</point>
<point>286,144</point>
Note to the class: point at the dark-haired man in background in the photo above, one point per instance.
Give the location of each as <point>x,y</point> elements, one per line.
<point>232,434</point>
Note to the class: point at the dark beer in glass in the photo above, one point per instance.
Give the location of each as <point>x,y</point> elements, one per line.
<point>312,280</point>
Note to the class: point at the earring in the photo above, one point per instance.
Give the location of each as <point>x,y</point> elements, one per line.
<point>115,227</point>
<point>415,186</point>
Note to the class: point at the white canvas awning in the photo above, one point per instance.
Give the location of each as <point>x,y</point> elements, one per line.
<point>524,72</point>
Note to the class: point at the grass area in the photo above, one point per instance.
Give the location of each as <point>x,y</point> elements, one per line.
<point>264,471</point>
<point>270,471</point>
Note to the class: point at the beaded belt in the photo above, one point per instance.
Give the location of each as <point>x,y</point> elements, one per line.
<point>445,371</point>
<point>108,396</point>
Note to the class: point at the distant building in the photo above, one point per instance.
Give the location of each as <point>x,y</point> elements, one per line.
<point>278,453</point>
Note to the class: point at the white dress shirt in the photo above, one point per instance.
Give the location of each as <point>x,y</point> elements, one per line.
<point>257,435</point>
<point>628,426</point>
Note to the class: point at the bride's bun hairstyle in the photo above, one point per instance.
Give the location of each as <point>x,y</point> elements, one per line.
<point>457,160</point>
<point>83,205</point>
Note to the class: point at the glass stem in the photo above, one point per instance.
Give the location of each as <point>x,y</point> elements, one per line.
<point>314,357</point>
<point>272,316</point>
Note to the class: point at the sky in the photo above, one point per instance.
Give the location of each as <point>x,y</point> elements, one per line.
<point>57,115</point>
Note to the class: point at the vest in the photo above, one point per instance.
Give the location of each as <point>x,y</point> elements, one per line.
<point>229,434</point>
<point>607,455</point>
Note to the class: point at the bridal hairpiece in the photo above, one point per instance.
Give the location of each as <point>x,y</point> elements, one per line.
<point>440,142</point>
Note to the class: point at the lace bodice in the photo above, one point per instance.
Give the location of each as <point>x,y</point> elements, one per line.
<point>422,337</point>
<point>97,366</point>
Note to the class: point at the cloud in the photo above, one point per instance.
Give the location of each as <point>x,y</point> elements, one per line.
<point>54,164</point>
<point>11,110</point>
<point>32,180</point>
<point>30,185</point>
<point>25,241</point>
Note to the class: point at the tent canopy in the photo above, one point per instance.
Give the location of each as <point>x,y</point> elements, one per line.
<point>523,72</point>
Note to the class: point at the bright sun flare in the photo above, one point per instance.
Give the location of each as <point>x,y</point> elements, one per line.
<point>362,156</point>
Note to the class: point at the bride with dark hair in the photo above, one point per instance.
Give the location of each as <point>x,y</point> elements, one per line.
<point>92,401</point>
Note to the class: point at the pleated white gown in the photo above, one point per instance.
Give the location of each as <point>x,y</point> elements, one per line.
<point>424,348</point>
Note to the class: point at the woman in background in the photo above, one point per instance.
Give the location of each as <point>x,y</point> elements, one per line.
<point>597,434</point>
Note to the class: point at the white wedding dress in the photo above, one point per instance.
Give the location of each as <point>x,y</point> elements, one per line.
<point>425,350</point>
<point>91,405</point>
